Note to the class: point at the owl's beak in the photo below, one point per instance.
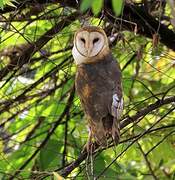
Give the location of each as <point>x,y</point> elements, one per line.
<point>88,52</point>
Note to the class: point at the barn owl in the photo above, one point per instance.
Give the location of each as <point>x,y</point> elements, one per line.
<point>98,84</point>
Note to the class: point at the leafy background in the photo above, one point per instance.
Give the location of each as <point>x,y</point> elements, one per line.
<point>42,126</point>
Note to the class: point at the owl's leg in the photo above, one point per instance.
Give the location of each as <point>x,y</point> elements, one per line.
<point>100,134</point>
<point>88,146</point>
<point>89,141</point>
<point>115,131</point>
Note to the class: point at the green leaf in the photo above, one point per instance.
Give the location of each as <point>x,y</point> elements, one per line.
<point>127,85</point>
<point>99,164</point>
<point>49,153</point>
<point>1,4</point>
<point>97,6</point>
<point>85,5</point>
<point>9,3</point>
<point>117,6</point>
<point>110,173</point>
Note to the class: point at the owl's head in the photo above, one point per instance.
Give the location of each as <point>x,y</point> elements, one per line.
<point>90,45</point>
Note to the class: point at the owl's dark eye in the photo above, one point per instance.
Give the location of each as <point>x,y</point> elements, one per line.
<point>83,40</point>
<point>95,40</point>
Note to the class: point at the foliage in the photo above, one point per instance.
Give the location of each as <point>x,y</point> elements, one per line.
<point>7,2</point>
<point>97,6</point>
<point>42,126</point>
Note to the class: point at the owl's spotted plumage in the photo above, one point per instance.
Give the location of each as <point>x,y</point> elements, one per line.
<point>98,84</point>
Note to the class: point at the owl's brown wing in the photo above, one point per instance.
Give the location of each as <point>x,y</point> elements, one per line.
<point>117,97</point>
<point>99,88</point>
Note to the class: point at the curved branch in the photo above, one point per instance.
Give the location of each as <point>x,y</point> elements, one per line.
<point>143,112</point>
<point>135,15</point>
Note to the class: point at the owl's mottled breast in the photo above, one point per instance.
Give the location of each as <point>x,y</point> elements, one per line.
<point>95,84</point>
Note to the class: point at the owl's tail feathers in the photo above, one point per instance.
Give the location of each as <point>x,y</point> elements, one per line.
<point>112,129</point>
<point>101,130</point>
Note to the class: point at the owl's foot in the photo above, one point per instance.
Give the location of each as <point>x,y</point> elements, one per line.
<point>89,147</point>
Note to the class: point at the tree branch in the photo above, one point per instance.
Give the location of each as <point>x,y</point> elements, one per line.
<point>135,15</point>
<point>52,130</point>
<point>138,116</point>
<point>147,162</point>
<point>143,112</point>
<point>32,48</point>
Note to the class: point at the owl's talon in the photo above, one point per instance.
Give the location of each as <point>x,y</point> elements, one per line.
<point>89,147</point>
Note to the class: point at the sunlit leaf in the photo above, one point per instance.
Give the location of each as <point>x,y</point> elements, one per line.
<point>97,6</point>
<point>1,4</point>
<point>85,5</point>
<point>117,6</point>
<point>57,176</point>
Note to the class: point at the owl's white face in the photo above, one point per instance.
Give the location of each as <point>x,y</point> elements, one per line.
<point>89,44</point>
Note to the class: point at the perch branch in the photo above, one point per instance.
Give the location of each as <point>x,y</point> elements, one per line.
<point>138,116</point>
